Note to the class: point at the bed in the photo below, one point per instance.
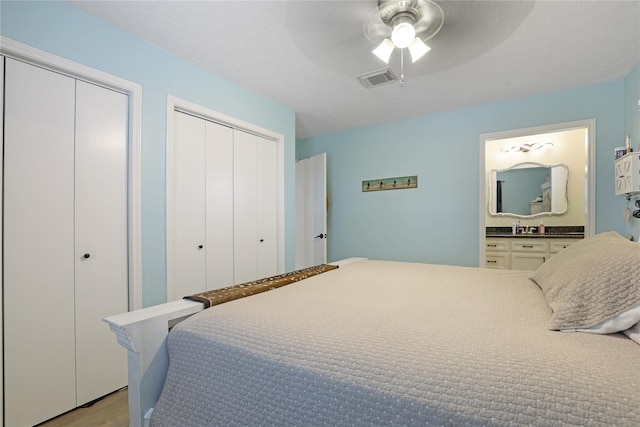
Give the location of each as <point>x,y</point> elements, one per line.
<point>380,343</point>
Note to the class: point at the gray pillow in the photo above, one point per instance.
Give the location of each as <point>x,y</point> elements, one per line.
<point>591,281</point>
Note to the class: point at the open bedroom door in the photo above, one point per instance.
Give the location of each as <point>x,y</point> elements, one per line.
<point>311,211</point>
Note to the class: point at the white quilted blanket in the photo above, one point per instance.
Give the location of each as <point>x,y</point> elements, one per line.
<point>381,343</point>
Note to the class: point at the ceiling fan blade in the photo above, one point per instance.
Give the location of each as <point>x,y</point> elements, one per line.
<point>431,19</point>
<point>374,29</point>
<point>417,48</point>
<point>384,50</point>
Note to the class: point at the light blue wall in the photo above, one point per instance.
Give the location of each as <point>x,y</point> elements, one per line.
<point>438,221</point>
<point>632,128</point>
<point>65,31</point>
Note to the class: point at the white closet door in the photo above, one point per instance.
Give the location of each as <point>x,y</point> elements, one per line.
<point>1,239</point>
<point>245,207</point>
<point>255,208</point>
<point>38,244</point>
<point>101,274</point>
<point>188,247</point>
<point>267,209</point>
<point>219,205</point>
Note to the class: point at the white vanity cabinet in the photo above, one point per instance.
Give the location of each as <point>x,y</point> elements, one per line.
<point>522,253</point>
<point>627,169</point>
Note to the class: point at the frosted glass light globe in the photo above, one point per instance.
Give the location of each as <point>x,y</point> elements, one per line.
<point>403,34</point>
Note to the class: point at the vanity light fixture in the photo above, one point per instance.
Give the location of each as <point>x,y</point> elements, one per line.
<point>525,147</point>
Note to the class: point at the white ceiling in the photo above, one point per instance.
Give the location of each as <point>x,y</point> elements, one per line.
<point>306,54</point>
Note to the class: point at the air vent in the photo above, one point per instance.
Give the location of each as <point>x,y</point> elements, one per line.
<point>377,78</point>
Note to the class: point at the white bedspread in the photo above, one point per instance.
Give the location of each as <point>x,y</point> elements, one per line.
<point>380,343</point>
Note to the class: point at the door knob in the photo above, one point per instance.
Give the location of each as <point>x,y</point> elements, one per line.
<point>85,256</point>
<point>200,246</point>
<point>320,236</point>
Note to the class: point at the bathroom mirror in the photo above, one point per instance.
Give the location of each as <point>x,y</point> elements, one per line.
<point>527,190</point>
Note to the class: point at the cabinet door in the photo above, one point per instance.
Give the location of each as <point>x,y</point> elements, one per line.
<point>623,175</point>
<point>219,206</point>
<point>528,254</point>
<point>556,246</point>
<point>101,273</point>
<point>527,261</point>
<point>187,274</point>
<point>39,341</point>
<point>245,211</point>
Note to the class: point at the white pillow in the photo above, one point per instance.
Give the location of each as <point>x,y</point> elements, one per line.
<point>618,323</point>
<point>634,332</point>
<point>594,283</point>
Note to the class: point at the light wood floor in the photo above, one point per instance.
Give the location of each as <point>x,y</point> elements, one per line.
<point>112,411</point>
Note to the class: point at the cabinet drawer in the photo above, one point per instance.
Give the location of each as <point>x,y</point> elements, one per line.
<point>497,260</point>
<point>558,245</point>
<point>495,245</point>
<point>529,245</point>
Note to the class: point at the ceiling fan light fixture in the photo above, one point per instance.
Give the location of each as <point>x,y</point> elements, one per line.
<point>384,50</point>
<point>418,49</point>
<point>403,34</point>
<point>403,24</point>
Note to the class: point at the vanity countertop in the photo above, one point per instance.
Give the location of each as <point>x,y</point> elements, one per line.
<point>551,232</point>
<point>537,236</point>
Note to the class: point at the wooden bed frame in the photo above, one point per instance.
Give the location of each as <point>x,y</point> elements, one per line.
<point>144,333</point>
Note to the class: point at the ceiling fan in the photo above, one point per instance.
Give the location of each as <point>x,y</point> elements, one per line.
<point>403,24</point>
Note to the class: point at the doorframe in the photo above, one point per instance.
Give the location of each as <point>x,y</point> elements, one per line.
<point>182,105</point>
<point>590,172</point>
<point>22,52</point>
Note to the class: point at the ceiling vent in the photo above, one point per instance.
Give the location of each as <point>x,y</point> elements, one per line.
<point>377,78</point>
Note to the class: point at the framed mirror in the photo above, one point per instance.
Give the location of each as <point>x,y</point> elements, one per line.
<point>528,190</point>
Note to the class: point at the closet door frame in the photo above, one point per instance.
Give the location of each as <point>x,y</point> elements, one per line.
<point>177,104</point>
<point>22,52</point>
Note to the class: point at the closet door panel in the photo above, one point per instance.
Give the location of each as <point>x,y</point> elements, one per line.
<point>101,274</point>
<point>244,202</point>
<point>267,210</point>
<point>188,252</point>
<point>1,239</point>
<point>219,210</point>
<point>38,244</point>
